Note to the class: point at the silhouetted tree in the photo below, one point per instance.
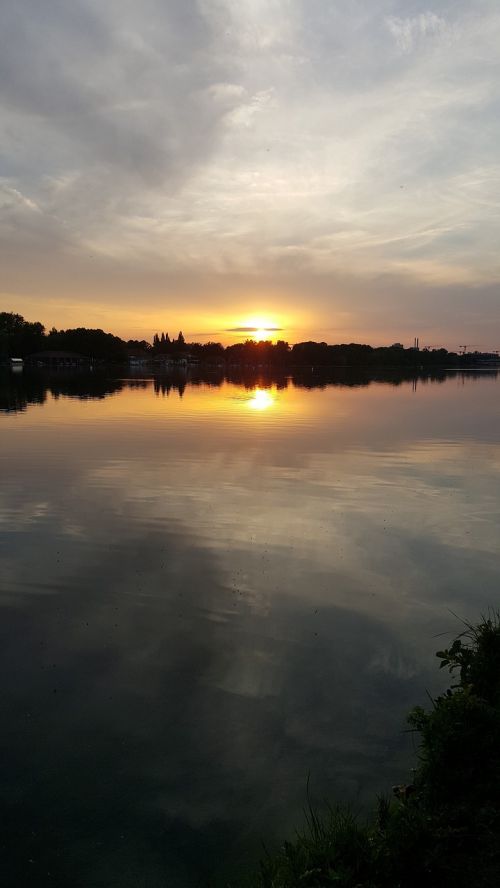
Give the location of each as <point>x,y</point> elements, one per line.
<point>19,337</point>
<point>91,343</point>
<point>141,345</point>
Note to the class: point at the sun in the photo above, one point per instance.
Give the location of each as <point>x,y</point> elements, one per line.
<point>260,334</point>
<point>261,328</point>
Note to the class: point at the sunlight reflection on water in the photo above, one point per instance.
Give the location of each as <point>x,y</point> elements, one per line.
<point>262,399</point>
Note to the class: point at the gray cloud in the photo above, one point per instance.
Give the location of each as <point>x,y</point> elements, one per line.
<point>252,329</point>
<point>102,90</point>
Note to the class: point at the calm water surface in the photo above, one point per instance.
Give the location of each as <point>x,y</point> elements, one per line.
<point>210,589</point>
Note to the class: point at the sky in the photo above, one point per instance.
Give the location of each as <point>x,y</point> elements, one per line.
<point>324,168</point>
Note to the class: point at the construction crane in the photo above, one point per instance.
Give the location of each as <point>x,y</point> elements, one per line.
<point>465,347</point>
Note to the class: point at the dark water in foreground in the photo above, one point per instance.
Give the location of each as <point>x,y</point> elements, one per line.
<point>210,589</point>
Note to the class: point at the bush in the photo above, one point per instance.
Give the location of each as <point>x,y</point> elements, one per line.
<point>443,829</point>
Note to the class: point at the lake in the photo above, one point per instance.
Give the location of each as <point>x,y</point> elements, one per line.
<point>214,587</point>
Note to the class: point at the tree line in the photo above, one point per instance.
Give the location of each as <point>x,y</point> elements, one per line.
<point>21,338</point>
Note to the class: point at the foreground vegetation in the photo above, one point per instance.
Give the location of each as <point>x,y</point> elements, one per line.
<point>443,829</point>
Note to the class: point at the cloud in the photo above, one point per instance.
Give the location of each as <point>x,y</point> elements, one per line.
<point>161,154</point>
<point>407,32</point>
<point>109,93</point>
<point>252,329</point>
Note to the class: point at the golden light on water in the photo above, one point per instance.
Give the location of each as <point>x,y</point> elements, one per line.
<point>262,399</point>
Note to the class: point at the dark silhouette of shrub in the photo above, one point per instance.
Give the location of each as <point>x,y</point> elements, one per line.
<point>441,830</point>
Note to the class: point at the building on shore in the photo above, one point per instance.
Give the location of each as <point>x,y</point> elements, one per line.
<point>56,360</point>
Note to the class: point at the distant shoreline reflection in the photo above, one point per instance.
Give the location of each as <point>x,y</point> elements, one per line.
<point>18,391</point>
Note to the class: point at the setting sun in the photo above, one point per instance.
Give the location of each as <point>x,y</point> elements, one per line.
<point>259,328</point>
<point>261,334</point>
